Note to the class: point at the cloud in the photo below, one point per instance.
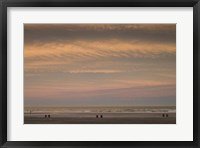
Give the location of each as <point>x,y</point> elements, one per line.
<point>44,33</point>
<point>95,49</point>
<point>94,62</point>
<point>95,71</point>
<point>61,52</point>
<point>100,27</point>
<point>90,55</point>
<point>119,96</point>
<point>87,85</point>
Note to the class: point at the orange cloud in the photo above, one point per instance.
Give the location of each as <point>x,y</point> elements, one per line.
<point>95,71</point>
<point>83,50</point>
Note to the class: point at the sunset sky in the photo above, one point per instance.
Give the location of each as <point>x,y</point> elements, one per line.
<point>99,64</point>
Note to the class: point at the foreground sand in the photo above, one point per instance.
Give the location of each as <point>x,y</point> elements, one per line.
<point>108,118</point>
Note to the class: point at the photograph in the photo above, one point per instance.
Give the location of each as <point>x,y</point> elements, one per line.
<point>99,73</point>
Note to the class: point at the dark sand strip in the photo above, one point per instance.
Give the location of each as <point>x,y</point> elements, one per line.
<point>147,118</point>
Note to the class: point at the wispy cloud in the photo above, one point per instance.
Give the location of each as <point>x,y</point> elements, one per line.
<point>50,57</point>
<point>99,27</point>
<point>100,62</point>
<point>97,49</point>
<point>95,71</point>
<point>44,33</point>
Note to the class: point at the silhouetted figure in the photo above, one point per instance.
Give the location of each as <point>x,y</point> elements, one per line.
<point>49,116</point>
<point>163,115</point>
<point>166,115</point>
<point>97,116</point>
<point>45,116</point>
<point>101,116</point>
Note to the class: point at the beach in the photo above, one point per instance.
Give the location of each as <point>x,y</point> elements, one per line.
<point>100,115</point>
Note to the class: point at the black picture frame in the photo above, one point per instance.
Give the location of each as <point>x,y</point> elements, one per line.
<point>4,4</point>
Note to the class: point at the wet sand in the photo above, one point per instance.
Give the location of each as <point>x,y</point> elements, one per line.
<point>107,118</point>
